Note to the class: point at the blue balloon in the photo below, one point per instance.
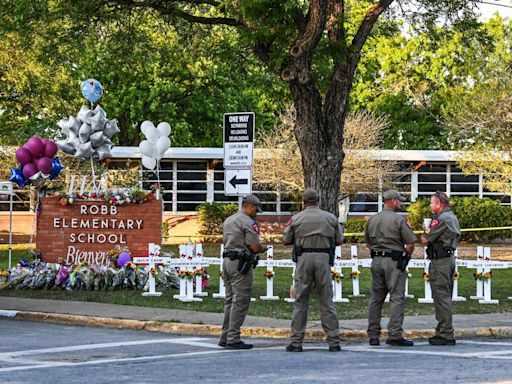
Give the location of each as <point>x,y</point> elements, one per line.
<point>92,90</point>
<point>17,177</point>
<point>56,168</point>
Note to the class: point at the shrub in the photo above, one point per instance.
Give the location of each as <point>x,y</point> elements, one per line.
<point>472,212</point>
<point>211,217</point>
<point>354,225</point>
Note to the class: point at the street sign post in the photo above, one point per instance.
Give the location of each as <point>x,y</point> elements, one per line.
<point>238,153</point>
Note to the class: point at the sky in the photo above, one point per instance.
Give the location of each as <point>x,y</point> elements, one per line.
<point>492,6</point>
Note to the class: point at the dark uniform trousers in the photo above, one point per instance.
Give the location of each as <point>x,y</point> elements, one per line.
<point>441,281</point>
<point>386,277</point>
<point>311,268</point>
<point>238,298</point>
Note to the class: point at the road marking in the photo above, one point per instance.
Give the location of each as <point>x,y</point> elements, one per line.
<point>6,313</point>
<point>194,341</point>
<point>502,343</point>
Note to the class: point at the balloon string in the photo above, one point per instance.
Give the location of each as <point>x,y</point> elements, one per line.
<point>37,209</point>
<point>93,175</point>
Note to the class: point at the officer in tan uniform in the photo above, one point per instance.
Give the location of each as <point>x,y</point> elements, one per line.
<point>391,242</point>
<point>441,239</point>
<point>314,234</point>
<point>241,244</point>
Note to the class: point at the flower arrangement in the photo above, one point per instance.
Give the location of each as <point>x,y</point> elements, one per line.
<point>355,274</point>
<point>268,274</point>
<point>221,274</point>
<point>4,273</point>
<point>487,275</point>
<point>190,275</point>
<point>477,275</point>
<point>426,276</point>
<point>182,274</point>
<point>114,196</point>
<point>130,265</point>
<point>202,272</point>
<point>456,275</point>
<point>337,276</point>
<point>153,271</point>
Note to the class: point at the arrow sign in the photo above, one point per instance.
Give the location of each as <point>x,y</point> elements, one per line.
<point>234,181</point>
<point>237,182</point>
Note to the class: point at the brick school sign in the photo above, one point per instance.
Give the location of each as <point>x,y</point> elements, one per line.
<point>87,230</point>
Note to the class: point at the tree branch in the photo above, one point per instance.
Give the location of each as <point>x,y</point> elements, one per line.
<point>367,24</point>
<point>312,32</point>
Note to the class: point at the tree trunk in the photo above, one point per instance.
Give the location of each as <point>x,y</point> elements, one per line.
<point>319,133</point>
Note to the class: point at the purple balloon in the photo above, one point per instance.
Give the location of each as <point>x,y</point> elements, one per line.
<point>35,146</point>
<point>123,258</point>
<point>44,164</point>
<point>23,156</point>
<point>50,149</point>
<point>29,170</point>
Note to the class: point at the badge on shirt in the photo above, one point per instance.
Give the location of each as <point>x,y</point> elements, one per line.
<point>256,228</point>
<point>434,223</point>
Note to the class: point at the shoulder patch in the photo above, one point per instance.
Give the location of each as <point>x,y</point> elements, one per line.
<point>256,228</point>
<point>434,223</point>
<point>288,223</point>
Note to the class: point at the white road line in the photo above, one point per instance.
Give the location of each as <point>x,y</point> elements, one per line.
<point>403,351</point>
<point>186,341</point>
<point>501,343</point>
<point>490,353</point>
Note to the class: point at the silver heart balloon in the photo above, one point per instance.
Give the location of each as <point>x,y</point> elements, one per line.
<point>84,133</point>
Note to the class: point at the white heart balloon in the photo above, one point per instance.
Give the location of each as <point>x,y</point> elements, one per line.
<point>164,129</point>
<point>162,145</point>
<point>148,162</point>
<point>147,148</point>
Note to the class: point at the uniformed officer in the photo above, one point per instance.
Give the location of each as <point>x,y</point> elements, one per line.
<point>317,232</point>
<point>442,238</point>
<point>391,242</point>
<point>241,244</point>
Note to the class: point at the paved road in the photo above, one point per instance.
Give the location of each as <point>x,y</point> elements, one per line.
<point>51,353</point>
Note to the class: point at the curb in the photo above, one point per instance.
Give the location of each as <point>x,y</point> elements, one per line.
<point>215,330</point>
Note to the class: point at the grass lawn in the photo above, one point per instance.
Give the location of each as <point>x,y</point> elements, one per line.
<point>355,309</point>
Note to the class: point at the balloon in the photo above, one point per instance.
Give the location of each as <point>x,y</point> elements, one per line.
<point>84,133</point>
<point>145,125</point>
<point>44,164</point>
<point>123,258</point>
<point>151,134</point>
<point>23,156</point>
<point>29,170</point>
<point>56,168</point>
<point>148,162</point>
<point>92,90</point>
<point>164,129</point>
<point>163,144</point>
<point>35,146</point>
<point>147,148</point>
<point>50,149</point>
<point>38,179</point>
<point>17,177</point>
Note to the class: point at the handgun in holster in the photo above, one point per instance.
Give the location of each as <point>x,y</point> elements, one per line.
<point>403,260</point>
<point>296,252</point>
<point>245,262</point>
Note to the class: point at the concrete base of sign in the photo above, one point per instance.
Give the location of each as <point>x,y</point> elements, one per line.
<point>341,300</point>
<point>152,294</point>
<point>426,301</point>
<point>488,301</point>
<point>269,298</point>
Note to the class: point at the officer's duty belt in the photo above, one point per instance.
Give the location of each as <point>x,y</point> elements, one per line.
<point>316,250</point>
<point>233,255</point>
<point>386,253</point>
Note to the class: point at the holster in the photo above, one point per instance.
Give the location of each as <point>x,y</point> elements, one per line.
<point>245,262</point>
<point>296,252</point>
<point>402,260</point>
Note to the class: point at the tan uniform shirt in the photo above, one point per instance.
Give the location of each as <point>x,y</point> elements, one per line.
<point>444,227</point>
<point>388,231</point>
<point>240,230</point>
<point>313,228</point>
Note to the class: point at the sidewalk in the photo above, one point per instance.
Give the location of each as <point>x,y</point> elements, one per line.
<point>202,323</point>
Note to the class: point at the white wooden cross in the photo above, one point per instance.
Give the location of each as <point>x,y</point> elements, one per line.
<point>152,259</point>
<point>270,280</point>
<point>428,290</point>
<point>455,293</point>
<point>222,287</point>
<point>337,296</point>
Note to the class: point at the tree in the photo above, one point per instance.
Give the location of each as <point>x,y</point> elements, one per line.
<point>307,43</point>
<point>274,164</point>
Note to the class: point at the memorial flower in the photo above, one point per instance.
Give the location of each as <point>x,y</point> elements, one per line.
<point>487,275</point>
<point>426,276</point>
<point>268,274</point>
<point>337,276</point>
<point>355,274</point>
<point>477,275</point>
<point>456,275</point>
<point>153,271</point>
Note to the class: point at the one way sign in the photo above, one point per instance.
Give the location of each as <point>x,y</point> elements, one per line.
<point>237,182</point>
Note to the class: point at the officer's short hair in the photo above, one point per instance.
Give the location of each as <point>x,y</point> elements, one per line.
<point>443,198</point>
<point>310,195</point>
